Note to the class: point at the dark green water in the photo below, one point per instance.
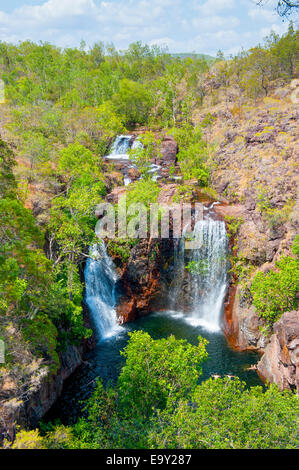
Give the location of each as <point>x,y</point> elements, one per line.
<point>105,361</point>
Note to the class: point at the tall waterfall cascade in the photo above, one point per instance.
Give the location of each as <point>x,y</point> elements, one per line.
<point>208,273</point>
<point>100,279</point>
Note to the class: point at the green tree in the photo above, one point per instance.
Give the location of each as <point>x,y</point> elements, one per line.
<point>193,153</point>
<point>275,292</point>
<point>133,102</point>
<point>221,414</point>
<point>157,371</point>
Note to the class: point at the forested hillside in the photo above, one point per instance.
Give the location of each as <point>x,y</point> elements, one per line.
<point>235,121</point>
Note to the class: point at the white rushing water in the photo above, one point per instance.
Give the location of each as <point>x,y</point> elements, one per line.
<point>208,275</point>
<point>207,280</point>
<point>119,151</point>
<point>100,279</point>
<point>120,147</point>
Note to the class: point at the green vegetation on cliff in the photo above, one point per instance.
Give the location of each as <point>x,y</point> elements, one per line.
<point>275,292</point>
<point>34,297</point>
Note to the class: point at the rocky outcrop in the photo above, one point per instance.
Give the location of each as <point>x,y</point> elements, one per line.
<point>280,361</point>
<point>145,279</point>
<point>242,325</point>
<point>27,410</point>
<point>133,174</point>
<point>259,248</point>
<point>167,193</point>
<point>169,150</point>
<point>115,195</point>
<point>256,173</point>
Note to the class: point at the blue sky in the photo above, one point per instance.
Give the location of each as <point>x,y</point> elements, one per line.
<point>183,25</point>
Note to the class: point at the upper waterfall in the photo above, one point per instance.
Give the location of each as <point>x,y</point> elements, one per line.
<point>120,151</point>
<point>120,147</point>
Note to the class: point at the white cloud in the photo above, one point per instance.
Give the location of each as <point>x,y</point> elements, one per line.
<point>212,23</point>
<point>214,6</point>
<point>279,29</point>
<point>201,25</point>
<point>262,14</point>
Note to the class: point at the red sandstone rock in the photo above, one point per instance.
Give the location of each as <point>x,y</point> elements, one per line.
<point>115,194</point>
<point>242,325</point>
<point>169,150</point>
<point>280,362</point>
<point>126,310</point>
<point>166,194</point>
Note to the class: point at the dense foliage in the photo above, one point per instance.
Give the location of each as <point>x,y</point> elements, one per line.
<point>275,292</point>
<point>33,293</point>
<point>158,403</point>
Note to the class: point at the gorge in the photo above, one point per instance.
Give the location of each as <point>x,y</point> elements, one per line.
<point>161,339</point>
<point>192,305</point>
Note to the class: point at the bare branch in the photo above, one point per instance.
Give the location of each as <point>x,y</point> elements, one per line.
<point>284,8</point>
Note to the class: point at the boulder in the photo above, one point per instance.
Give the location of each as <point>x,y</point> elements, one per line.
<point>280,361</point>
<point>117,193</point>
<point>169,150</point>
<point>133,173</point>
<point>242,325</point>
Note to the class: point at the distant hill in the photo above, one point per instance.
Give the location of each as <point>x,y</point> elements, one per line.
<point>194,55</point>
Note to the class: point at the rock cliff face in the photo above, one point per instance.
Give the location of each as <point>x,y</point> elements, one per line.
<point>255,164</point>
<point>26,410</point>
<point>169,150</point>
<point>145,279</point>
<point>280,362</point>
<point>242,324</point>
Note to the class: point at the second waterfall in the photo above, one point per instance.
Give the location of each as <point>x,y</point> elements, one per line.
<point>203,289</point>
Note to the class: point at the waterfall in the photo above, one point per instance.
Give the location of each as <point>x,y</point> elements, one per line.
<point>208,273</point>
<point>120,147</point>
<point>179,270</point>
<point>119,151</point>
<point>100,279</point>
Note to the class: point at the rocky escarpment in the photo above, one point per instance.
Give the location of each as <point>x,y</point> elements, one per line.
<point>258,248</point>
<point>280,362</point>
<point>38,394</point>
<point>256,171</point>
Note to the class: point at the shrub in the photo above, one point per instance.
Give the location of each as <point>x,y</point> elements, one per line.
<point>275,292</point>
